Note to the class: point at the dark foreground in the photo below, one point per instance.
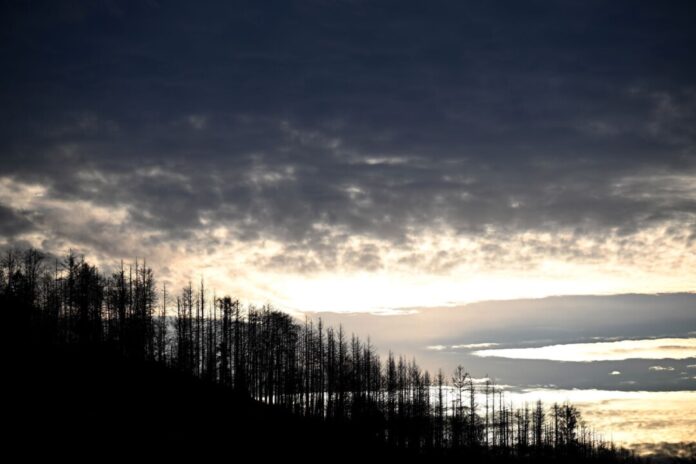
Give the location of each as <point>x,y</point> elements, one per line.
<point>80,403</point>
<point>89,404</point>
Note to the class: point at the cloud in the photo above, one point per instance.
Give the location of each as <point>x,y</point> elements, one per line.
<point>469,346</point>
<point>423,144</point>
<point>437,347</point>
<point>474,346</point>
<point>666,451</point>
<point>12,222</point>
<point>661,368</point>
<point>659,348</point>
<point>197,121</point>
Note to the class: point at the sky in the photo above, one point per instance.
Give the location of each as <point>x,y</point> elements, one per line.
<point>507,184</point>
<point>617,342</point>
<point>357,155</point>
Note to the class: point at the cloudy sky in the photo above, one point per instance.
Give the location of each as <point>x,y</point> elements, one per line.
<point>357,155</point>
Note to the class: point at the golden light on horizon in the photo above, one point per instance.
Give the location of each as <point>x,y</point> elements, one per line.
<point>433,267</point>
<point>629,418</point>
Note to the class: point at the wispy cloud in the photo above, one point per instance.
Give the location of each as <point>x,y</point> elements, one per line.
<point>468,346</point>
<point>661,368</point>
<point>472,346</point>
<point>437,347</point>
<point>662,348</point>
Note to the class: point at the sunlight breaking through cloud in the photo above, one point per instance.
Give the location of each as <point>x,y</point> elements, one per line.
<point>338,269</point>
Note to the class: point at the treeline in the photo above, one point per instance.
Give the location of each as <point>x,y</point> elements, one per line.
<point>302,366</point>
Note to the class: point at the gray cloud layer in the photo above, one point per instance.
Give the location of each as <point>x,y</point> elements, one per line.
<point>311,122</point>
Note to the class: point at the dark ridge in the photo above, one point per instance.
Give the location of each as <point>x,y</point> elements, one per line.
<point>90,401</point>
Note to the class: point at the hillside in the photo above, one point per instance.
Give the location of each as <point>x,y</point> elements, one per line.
<point>88,402</point>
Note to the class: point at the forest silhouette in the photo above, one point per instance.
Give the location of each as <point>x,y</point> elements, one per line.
<point>114,364</point>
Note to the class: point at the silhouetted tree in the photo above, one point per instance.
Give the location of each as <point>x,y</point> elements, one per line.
<point>312,370</point>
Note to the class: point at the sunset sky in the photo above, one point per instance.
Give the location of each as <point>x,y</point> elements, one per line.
<point>399,161</point>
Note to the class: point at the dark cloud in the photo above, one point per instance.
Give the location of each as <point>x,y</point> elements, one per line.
<point>370,118</point>
<point>12,223</point>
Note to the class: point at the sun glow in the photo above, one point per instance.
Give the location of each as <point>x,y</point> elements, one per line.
<point>433,266</point>
<point>632,418</point>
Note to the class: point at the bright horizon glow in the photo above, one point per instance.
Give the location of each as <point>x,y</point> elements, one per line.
<point>630,418</point>
<point>437,267</point>
<point>636,419</point>
<point>659,348</point>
